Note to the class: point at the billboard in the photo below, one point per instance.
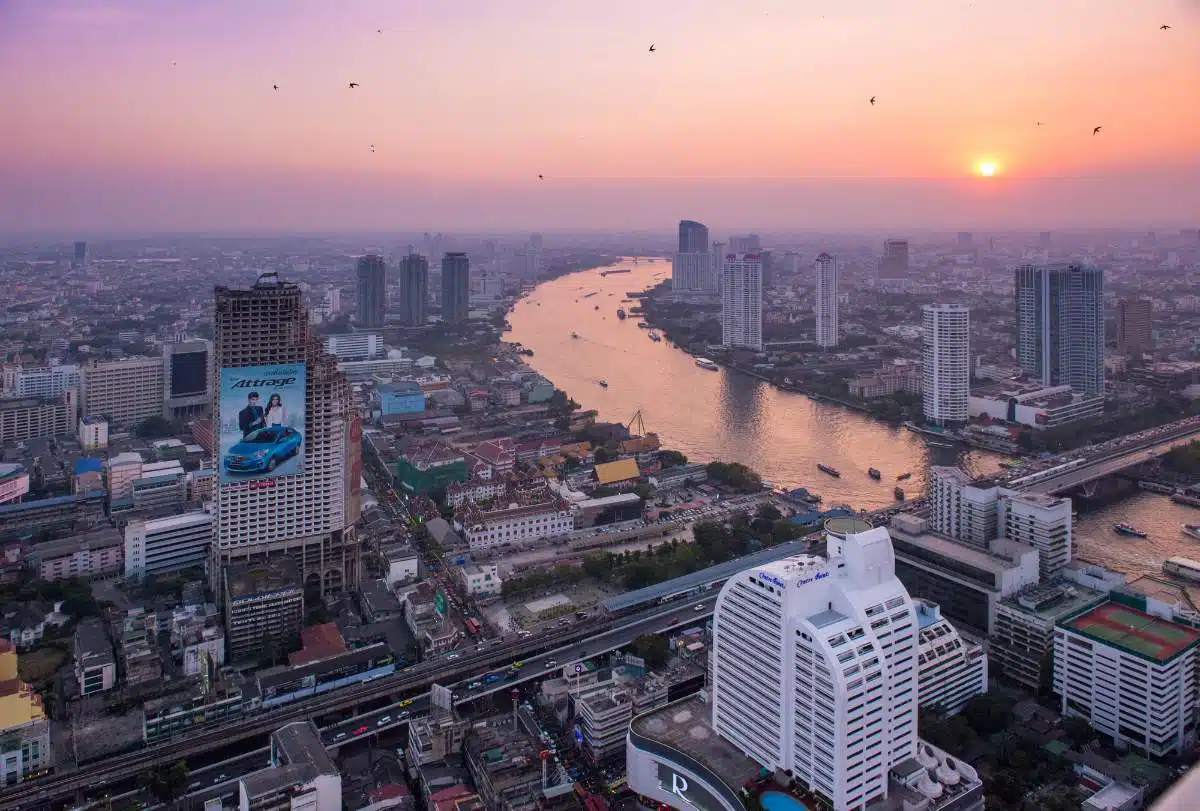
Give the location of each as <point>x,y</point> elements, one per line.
<point>262,422</point>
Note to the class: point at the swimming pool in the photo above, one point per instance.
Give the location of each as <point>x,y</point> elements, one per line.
<point>778,801</point>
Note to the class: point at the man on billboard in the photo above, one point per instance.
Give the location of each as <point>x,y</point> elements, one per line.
<point>251,417</point>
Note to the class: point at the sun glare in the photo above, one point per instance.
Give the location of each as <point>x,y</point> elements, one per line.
<point>987,169</point>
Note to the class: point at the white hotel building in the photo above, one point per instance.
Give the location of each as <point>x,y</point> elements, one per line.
<point>814,675</point>
<point>953,670</point>
<point>946,360</point>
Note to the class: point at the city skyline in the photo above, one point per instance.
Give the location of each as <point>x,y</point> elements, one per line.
<point>186,125</point>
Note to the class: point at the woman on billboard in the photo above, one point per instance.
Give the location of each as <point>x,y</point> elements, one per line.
<point>275,412</point>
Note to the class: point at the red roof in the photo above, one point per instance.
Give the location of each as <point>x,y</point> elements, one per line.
<point>317,643</point>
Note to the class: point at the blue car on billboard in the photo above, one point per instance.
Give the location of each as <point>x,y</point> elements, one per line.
<point>261,451</point>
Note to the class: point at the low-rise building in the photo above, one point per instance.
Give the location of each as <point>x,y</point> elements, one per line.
<point>94,554</point>
<point>56,515</point>
<point>183,713</point>
<point>1033,404</point>
<point>621,474</point>
<point>887,381</point>
<point>1131,675</point>
<point>95,663</point>
<point>516,522</point>
<point>500,455</point>
<point>301,774</point>
<point>426,465</point>
<point>403,563</point>
<point>36,417</point>
<point>604,721</point>
<point>164,545</point>
<point>505,766</point>
<point>479,579</point>
<point>25,750</point>
<point>401,397</point>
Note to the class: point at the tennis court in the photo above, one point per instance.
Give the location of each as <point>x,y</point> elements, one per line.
<point>1135,631</point>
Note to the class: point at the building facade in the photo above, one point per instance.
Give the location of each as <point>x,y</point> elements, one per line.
<point>953,670</point>
<point>741,301</point>
<point>825,300</point>
<point>1134,319</point>
<point>25,750</point>
<point>186,386</point>
<point>125,391</point>
<point>308,516</point>
<point>372,291</point>
<point>264,605</point>
<point>164,545</point>
<point>414,290</point>
<point>693,237</point>
<point>1060,325</point>
<point>456,287</point>
<point>946,359</point>
<point>37,418</point>
<point>45,381</point>
<point>692,272</point>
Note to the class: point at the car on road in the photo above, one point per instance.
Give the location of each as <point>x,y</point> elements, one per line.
<point>360,730</point>
<point>387,719</point>
<point>550,663</point>
<point>517,665</point>
<point>452,656</point>
<point>699,606</point>
<point>341,736</point>
<point>406,702</point>
<point>475,685</point>
<point>261,451</point>
<point>492,678</point>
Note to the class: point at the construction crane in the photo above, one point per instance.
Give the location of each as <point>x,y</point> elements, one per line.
<point>637,420</point>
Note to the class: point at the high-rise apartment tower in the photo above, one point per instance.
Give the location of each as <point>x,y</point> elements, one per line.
<point>1060,325</point>
<point>946,381</point>
<point>372,291</point>
<point>825,300</point>
<point>456,287</point>
<point>414,290</point>
<point>741,301</point>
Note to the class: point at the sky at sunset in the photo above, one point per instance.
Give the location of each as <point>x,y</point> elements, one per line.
<point>160,114</point>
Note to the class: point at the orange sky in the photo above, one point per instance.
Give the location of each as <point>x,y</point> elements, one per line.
<point>494,93</point>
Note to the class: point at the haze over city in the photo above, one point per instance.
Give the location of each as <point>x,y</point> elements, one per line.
<point>142,116</point>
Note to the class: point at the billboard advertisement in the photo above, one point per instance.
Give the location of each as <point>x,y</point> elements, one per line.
<point>262,422</point>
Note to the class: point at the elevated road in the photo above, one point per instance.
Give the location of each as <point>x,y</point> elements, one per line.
<point>1126,453</point>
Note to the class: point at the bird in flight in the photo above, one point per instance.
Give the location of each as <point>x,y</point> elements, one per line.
<point>651,47</point>
<point>274,87</point>
<point>1164,28</point>
<point>1040,124</point>
<point>173,64</point>
<point>1096,131</point>
<point>353,85</point>
<point>372,147</point>
<point>872,101</point>
<point>378,30</point>
<point>541,178</point>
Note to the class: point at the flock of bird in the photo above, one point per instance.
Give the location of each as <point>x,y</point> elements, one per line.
<point>354,85</point>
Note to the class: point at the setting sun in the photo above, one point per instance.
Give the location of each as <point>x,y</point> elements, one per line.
<point>987,169</point>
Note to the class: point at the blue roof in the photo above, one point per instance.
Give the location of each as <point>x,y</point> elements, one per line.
<point>88,464</point>
<point>721,571</point>
<point>7,470</point>
<point>401,387</point>
<point>57,501</point>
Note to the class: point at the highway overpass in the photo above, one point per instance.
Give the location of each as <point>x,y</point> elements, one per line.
<point>1126,454</point>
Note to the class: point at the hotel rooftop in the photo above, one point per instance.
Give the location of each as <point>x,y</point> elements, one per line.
<point>1134,631</point>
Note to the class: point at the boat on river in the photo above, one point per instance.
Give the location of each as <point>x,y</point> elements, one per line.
<point>574,334</point>
<point>832,471</point>
<point>899,494</point>
<point>705,363</point>
<point>1192,530</point>
<point>874,473</point>
<point>1182,568</point>
<point>654,336</point>
<point>603,383</point>
<point>904,476</point>
<point>621,314</point>
<point>1126,529</point>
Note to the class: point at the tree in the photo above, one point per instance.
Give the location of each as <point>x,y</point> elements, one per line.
<point>654,648</point>
<point>154,428</point>
<point>166,784</point>
<point>605,455</point>
<point>987,713</point>
<point>1079,731</point>
<point>670,459</point>
<point>769,512</point>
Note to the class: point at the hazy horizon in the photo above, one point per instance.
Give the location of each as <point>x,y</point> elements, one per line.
<point>755,115</point>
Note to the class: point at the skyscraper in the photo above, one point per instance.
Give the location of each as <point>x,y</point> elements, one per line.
<point>414,290</point>
<point>693,237</point>
<point>80,257</point>
<point>745,243</point>
<point>1134,316</point>
<point>741,302</point>
<point>307,515</point>
<point>965,239</point>
<point>894,263</point>
<point>825,303</point>
<point>456,287</point>
<point>946,382</point>
<point>1060,325</point>
<point>815,667</point>
<point>372,291</point>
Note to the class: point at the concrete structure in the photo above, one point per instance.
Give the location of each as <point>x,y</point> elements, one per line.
<point>93,433</point>
<point>745,243</point>
<point>1043,522</point>
<point>25,750</point>
<point>693,273</point>
<point>1033,405</point>
<point>372,292</point>
<point>14,483</point>
<point>414,290</point>
<point>44,381</point>
<point>693,237</point>
<point>355,345</point>
<point>825,300</point>
<point>515,523</point>
<point>301,774</point>
<point>401,397</point>
<point>165,545</point>
<point>479,579</point>
<point>125,391</point>
<point>264,604</point>
<point>188,383</point>
<point>741,301</point>
<point>965,581</point>
<point>894,264</point>
<point>93,658</point>
<point>604,718</point>
<point>960,509</point>
<point>456,287</point>
<point>79,258</point>
<point>1060,325</point>
<point>1130,675</point>
<point>1022,636</point>
<point>946,363</point>
<point>953,670</point>
<point>1135,316</point>
<point>38,418</point>
<point>307,516</point>
<point>94,554</point>
<point>805,637</point>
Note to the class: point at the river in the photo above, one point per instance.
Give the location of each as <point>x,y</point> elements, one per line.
<point>710,415</point>
<point>1160,518</point>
